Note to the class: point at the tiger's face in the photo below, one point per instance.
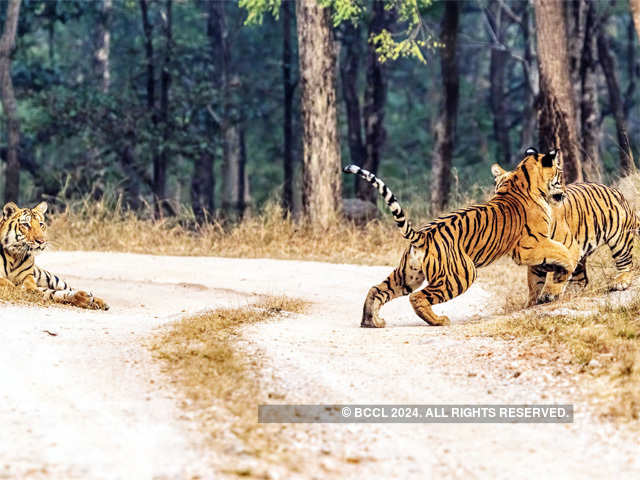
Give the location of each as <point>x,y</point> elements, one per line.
<point>22,230</point>
<point>537,173</point>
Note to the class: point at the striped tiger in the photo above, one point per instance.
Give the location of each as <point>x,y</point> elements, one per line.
<point>22,235</point>
<point>586,217</point>
<point>447,251</point>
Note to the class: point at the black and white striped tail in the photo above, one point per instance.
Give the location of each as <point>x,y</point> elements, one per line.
<point>416,238</point>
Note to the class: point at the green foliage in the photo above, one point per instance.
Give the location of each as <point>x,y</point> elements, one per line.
<point>413,38</point>
<point>74,137</point>
<point>256,10</point>
<point>343,10</point>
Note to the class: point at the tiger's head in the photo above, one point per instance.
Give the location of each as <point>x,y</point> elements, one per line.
<point>22,230</point>
<point>538,174</point>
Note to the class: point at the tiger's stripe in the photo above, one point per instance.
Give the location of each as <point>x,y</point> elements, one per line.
<point>447,252</point>
<point>591,215</point>
<point>416,238</point>
<point>22,236</point>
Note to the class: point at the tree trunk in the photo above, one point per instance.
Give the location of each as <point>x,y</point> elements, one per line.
<point>102,45</point>
<point>556,112</point>
<point>497,95</point>
<point>202,185</point>
<point>349,75</point>
<point>589,112</point>
<point>532,87</point>
<point>7,45</point>
<point>446,123</point>
<point>633,70</point>
<point>232,136</point>
<point>635,13</point>
<point>321,145</point>
<point>375,97</point>
<point>615,102</point>
<point>289,87</point>
<point>148,48</point>
<point>161,159</point>
<point>575,14</point>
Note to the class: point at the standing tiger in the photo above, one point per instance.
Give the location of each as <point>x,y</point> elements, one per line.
<point>587,216</point>
<point>447,251</point>
<point>22,235</point>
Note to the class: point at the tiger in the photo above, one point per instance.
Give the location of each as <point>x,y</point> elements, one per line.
<point>585,217</point>
<point>448,251</point>
<point>22,236</point>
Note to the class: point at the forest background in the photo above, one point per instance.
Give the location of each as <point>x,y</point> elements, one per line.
<point>218,108</point>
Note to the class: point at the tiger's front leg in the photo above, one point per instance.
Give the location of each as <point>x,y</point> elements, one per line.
<point>547,255</point>
<point>57,290</point>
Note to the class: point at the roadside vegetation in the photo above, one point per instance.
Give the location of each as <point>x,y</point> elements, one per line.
<point>201,355</point>
<point>604,345</point>
<point>21,296</point>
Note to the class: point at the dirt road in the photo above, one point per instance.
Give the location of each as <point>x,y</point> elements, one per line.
<point>90,401</point>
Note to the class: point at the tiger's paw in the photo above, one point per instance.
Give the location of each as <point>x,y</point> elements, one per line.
<point>546,297</point>
<point>439,321</point>
<point>622,281</point>
<point>372,321</point>
<point>83,299</point>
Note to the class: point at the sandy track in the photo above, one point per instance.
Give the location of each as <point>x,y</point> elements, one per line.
<point>91,403</point>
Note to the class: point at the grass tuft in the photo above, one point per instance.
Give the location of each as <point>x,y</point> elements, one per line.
<point>21,296</point>
<point>200,353</point>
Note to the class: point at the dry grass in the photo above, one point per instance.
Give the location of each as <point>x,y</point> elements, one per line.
<point>200,352</point>
<point>21,296</point>
<point>104,226</point>
<point>604,345</point>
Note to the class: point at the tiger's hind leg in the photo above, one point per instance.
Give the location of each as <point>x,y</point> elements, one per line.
<point>622,251</point>
<point>402,281</point>
<point>536,278</point>
<point>455,280</point>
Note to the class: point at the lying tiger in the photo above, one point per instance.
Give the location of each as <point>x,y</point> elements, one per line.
<point>447,251</point>
<point>587,216</point>
<point>22,235</point>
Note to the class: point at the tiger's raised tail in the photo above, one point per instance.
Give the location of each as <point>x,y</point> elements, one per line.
<point>416,238</point>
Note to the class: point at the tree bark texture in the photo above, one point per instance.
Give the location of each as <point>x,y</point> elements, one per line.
<point>147,28</point>
<point>446,124</point>
<point>9,106</point>
<point>615,103</point>
<point>202,185</point>
<point>497,97</point>
<point>575,14</point>
<point>556,111</point>
<point>321,145</point>
<point>633,71</point>
<point>349,69</point>
<point>289,88</point>
<point>589,111</point>
<point>161,160</point>
<point>102,46</point>
<point>233,177</point>
<point>375,97</point>
<point>532,87</point>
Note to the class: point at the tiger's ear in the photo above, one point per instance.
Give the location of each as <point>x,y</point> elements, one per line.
<point>497,170</point>
<point>531,151</point>
<point>9,209</point>
<point>549,159</point>
<point>41,207</point>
